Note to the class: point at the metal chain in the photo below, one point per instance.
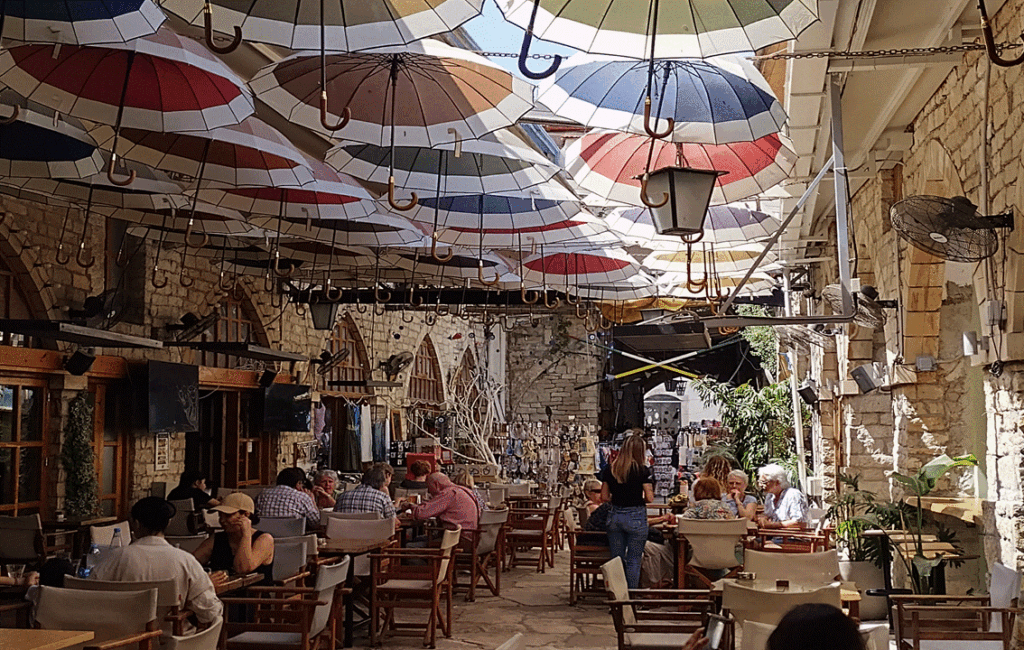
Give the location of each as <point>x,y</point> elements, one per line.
<point>515,55</point>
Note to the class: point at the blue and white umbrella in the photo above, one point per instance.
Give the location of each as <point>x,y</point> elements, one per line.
<point>716,101</point>
<point>725,225</point>
<point>35,144</point>
<point>519,210</point>
<point>79,22</point>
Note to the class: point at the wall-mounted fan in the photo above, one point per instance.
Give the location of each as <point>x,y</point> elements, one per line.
<point>869,307</point>
<point>395,364</point>
<point>329,362</point>
<point>948,228</point>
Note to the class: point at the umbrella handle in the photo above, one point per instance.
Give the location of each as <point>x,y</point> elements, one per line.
<point>524,51</point>
<point>361,308</point>
<point>346,115</point>
<point>580,314</point>
<point>505,326</point>
<point>480,275</point>
<point>414,300</point>
<point>395,204</point>
<point>570,301</point>
<point>650,129</point>
<point>208,27</point>
<point>277,268</point>
<point>226,287</point>
<point>110,173</point>
<point>990,41</point>
<point>152,279</point>
<point>523,291</point>
<point>430,318</point>
<point>14,116</point>
<point>433,250</point>
<point>604,324</point>
<point>644,198</point>
<point>378,297</point>
<point>78,258</point>
<point>182,279</point>
<point>694,238</point>
<point>549,305</point>
<point>442,310</point>
<point>188,237</point>
<point>587,326</point>
<point>332,297</point>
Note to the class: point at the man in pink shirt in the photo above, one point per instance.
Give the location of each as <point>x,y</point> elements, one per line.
<point>453,504</point>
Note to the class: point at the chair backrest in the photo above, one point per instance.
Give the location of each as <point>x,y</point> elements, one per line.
<point>1003,587</point>
<point>108,614</point>
<point>183,514</point>
<point>104,535</point>
<point>205,640</point>
<point>308,541</point>
<point>368,529</point>
<point>755,635</point>
<point>350,486</point>
<point>799,568</point>
<point>496,495</point>
<point>404,492</point>
<point>615,584</point>
<point>167,590</point>
<point>328,578</point>
<point>449,541</point>
<point>187,543</point>
<point>518,489</point>
<point>327,515</point>
<point>816,518</point>
<point>21,538</point>
<point>289,559</point>
<point>490,525</point>
<point>283,526</point>
<point>713,541</point>
<point>570,518</point>
<point>768,605</point>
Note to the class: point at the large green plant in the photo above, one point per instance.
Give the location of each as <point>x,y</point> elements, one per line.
<point>78,457</point>
<point>853,512</point>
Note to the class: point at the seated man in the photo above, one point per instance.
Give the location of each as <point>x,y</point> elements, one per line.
<point>150,557</point>
<point>371,495</point>
<point>455,505</point>
<point>784,506</point>
<point>287,499</point>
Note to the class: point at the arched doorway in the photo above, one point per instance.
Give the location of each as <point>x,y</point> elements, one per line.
<point>344,388</point>
<point>426,390</point>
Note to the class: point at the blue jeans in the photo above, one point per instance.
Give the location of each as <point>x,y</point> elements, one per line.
<point>627,534</point>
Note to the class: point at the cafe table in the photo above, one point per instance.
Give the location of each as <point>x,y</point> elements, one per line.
<point>341,546</point>
<point>848,593</point>
<point>20,639</point>
<point>237,582</point>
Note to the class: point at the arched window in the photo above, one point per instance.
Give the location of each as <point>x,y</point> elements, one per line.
<point>239,323</point>
<point>12,305</point>
<point>426,387</point>
<point>465,387</point>
<point>355,367</point>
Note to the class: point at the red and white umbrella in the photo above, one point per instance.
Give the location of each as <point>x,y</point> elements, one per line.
<point>208,219</point>
<point>602,266</point>
<point>372,230</point>
<point>608,163</point>
<point>583,230</point>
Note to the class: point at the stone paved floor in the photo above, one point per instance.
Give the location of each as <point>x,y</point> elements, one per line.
<point>536,604</point>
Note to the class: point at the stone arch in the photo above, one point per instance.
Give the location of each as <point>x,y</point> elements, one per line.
<point>356,366</point>
<point>33,287</point>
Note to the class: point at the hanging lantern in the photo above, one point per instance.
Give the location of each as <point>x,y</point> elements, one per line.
<point>324,314</point>
<point>684,197</point>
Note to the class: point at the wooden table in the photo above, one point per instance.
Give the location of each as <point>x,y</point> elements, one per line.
<point>236,582</point>
<point>17,639</point>
<point>77,529</point>
<point>338,546</point>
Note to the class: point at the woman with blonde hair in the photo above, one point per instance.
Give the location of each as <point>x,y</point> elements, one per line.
<point>627,483</point>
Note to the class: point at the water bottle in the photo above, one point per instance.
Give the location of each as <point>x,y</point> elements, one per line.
<point>115,541</point>
<point>91,558</point>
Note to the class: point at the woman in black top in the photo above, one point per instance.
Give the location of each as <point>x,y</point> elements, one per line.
<point>628,484</point>
<point>192,485</point>
<point>238,548</point>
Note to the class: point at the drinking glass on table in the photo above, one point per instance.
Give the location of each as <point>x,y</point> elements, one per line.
<point>16,571</point>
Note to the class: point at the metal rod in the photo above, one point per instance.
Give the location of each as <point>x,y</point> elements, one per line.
<point>798,425</point>
<point>841,186</point>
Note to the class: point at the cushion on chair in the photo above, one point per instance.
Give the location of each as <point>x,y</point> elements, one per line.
<point>406,585</point>
<point>654,640</point>
<point>258,640</point>
<point>973,644</point>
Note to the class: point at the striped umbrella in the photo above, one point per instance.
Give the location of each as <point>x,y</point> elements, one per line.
<point>372,230</point>
<point>683,28</point>
<point>79,22</point>
<point>464,264</point>
<point>505,210</point>
<point>211,219</point>
<point>581,231</point>
<point>711,102</point>
<point>601,266</point>
<point>608,164</point>
<point>676,285</point>
<point>497,162</point>
<point>349,25</point>
<point>34,143</point>
<point>724,225</point>
<point>726,262</point>
<point>163,82</point>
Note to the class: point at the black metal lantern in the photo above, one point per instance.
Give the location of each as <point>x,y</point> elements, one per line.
<point>324,314</point>
<point>679,198</point>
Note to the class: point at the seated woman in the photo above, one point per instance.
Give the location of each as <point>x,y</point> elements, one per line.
<point>708,504</point>
<point>192,485</point>
<point>816,626</point>
<point>416,479</point>
<point>784,506</point>
<point>238,548</point>
<point>592,490</point>
<point>736,499</point>
<point>465,479</point>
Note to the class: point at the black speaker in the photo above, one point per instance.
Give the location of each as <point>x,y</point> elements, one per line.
<point>267,378</point>
<point>79,363</point>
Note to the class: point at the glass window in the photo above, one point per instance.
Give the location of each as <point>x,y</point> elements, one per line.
<point>21,448</point>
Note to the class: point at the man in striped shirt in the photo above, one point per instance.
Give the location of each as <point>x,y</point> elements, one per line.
<point>453,504</point>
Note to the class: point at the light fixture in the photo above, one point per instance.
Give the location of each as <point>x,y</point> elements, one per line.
<point>79,363</point>
<point>324,314</point>
<point>683,194</point>
<point>973,345</point>
<point>865,377</point>
<point>670,386</point>
<point>808,391</point>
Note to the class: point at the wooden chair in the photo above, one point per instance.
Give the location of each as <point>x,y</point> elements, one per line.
<point>170,603</point>
<point>22,540</point>
<point>291,618</point>
<point>406,492</point>
<point>104,535</point>
<point>327,515</point>
<point>530,528</point>
<point>398,585</point>
<point>484,549</point>
<point>289,567</point>
<point>655,619</point>
<point>588,551</point>
<point>183,522</point>
<point>308,541</point>
<point>798,568</point>
<point>208,639</point>
<point>746,603</point>
<point>118,619</point>
<point>283,526</point>
<point>187,543</point>
<point>712,547</point>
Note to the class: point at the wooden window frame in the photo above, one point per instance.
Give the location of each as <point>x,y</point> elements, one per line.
<point>16,507</point>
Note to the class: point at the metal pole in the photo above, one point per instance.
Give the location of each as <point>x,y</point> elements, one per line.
<point>798,425</point>
<point>841,185</point>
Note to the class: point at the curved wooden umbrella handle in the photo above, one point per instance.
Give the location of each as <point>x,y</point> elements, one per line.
<point>277,268</point>
<point>523,292</point>
<point>400,206</point>
<point>990,41</point>
<point>414,300</point>
<point>550,305</point>
<point>480,275</point>
<point>208,27</point>
<point>83,263</point>
<point>152,280</point>
<point>650,129</point>
<point>346,115</point>
<point>433,250</point>
<point>188,237</point>
<point>110,174</point>
<point>335,297</point>
<point>580,312</point>
<point>647,201</point>
<point>14,116</point>
<point>381,299</point>
<point>694,238</point>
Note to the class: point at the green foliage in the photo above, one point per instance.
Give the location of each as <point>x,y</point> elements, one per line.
<point>78,457</point>
<point>764,342</point>
<point>852,513</point>
<point>761,421</point>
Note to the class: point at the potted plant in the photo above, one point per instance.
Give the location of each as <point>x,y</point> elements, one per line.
<point>853,512</point>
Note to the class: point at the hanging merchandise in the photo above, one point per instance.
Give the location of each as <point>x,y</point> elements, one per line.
<point>663,447</point>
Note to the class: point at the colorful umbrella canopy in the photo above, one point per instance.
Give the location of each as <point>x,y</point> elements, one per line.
<point>35,144</point>
<point>349,25</point>
<point>636,287</point>
<point>163,82</point>
<point>684,28</point>
<point>464,264</point>
<point>498,162</point>
<point>328,196</point>
<point>247,154</point>
<point>581,231</point>
<point>726,261</point>
<point>608,163</point>
<point>492,210</point>
<point>446,94</point>
<point>725,225</point>
<point>602,266</point>
<point>79,22</point>
<point>372,230</point>
<point>711,102</point>
<point>208,219</point>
